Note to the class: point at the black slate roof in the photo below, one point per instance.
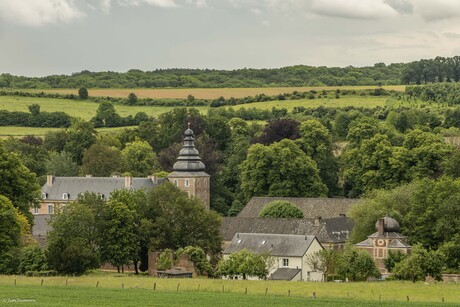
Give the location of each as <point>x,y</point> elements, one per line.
<point>273,244</point>
<point>311,207</point>
<point>284,274</point>
<point>73,186</point>
<point>330,230</point>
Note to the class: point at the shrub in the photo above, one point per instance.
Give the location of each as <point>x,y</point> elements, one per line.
<point>281,208</point>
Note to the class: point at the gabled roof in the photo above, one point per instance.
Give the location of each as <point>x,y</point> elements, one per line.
<point>284,274</point>
<point>331,230</point>
<point>311,207</point>
<point>366,243</point>
<point>398,244</point>
<point>273,244</point>
<point>73,186</point>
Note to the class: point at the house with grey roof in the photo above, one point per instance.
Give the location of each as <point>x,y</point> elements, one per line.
<point>311,207</point>
<point>288,254</point>
<point>386,239</point>
<point>330,232</point>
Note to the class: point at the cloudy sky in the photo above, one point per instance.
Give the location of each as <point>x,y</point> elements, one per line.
<point>42,37</point>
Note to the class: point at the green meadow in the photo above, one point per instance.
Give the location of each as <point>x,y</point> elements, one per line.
<point>130,290</point>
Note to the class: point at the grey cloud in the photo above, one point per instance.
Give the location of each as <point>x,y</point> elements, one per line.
<point>401,6</point>
<point>353,9</point>
<point>437,10</point>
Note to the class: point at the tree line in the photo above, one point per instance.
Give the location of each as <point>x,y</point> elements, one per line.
<point>299,75</point>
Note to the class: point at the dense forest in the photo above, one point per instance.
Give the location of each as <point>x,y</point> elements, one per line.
<point>440,69</point>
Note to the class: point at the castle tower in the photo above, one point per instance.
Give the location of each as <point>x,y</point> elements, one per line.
<point>188,174</point>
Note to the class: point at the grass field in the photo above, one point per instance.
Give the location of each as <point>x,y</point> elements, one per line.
<point>129,290</point>
<point>7,131</point>
<point>210,93</point>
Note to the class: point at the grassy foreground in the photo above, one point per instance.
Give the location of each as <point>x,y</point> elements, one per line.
<point>127,290</point>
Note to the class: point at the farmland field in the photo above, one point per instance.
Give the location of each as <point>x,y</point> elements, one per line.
<point>209,93</point>
<point>119,289</point>
<point>7,131</point>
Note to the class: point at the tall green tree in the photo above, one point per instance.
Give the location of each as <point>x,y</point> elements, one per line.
<point>316,141</point>
<point>173,220</point>
<point>139,158</point>
<point>81,136</point>
<point>420,264</point>
<point>281,169</point>
<point>119,239</point>
<point>61,164</point>
<point>106,116</point>
<point>101,161</point>
<point>72,243</point>
<point>17,182</point>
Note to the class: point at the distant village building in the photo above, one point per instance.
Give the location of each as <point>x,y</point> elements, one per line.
<point>387,238</point>
<point>289,254</point>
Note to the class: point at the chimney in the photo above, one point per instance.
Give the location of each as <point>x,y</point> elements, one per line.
<point>153,178</point>
<point>317,220</point>
<point>49,180</point>
<point>128,181</point>
<point>381,227</point>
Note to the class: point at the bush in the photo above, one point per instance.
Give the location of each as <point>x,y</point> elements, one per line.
<point>281,209</point>
<point>33,259</point>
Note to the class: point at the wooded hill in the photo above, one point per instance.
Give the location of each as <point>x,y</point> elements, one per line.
<point>439,69</point>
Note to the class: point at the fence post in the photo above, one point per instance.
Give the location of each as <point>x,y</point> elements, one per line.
<point>15,281</point>
<point>66,282</point>
<point>41,283</point>
<point>223,289</point>
<point>122,286</point>
<point>178,285</point>
<point>198,287</point>
<point>154,286</point>
<point>266,290</point>
<point>314,294</point>
<point>289,292</point>
<point>97,285</point>
<point>408,298</point>
<point>246,292</point>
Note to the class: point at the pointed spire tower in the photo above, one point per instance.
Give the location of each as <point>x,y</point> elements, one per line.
<point>189,174</point>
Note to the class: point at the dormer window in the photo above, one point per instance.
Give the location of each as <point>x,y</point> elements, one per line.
<point>44,195</point>
<point>65,196</point>
<point>100,196</point>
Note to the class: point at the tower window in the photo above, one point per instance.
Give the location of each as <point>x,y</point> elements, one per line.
<point>198,182</point>
<point>187,183</point>
<point>205,182</point>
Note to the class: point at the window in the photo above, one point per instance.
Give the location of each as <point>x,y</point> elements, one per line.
<point>100,196</point>
<point>285,262</point>
<point>65,196</point>
<point>187,183</point>
<point>205,182</point>
<point>36,210</point>
<point>198,183</point>
<point>50,209</point>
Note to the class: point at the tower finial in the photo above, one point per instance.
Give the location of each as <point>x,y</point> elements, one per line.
<point>188,125</point>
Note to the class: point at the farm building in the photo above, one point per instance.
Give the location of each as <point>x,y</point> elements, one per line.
<point>289,253</point>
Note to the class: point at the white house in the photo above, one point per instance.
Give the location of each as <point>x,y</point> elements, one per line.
<point>288,251</point>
